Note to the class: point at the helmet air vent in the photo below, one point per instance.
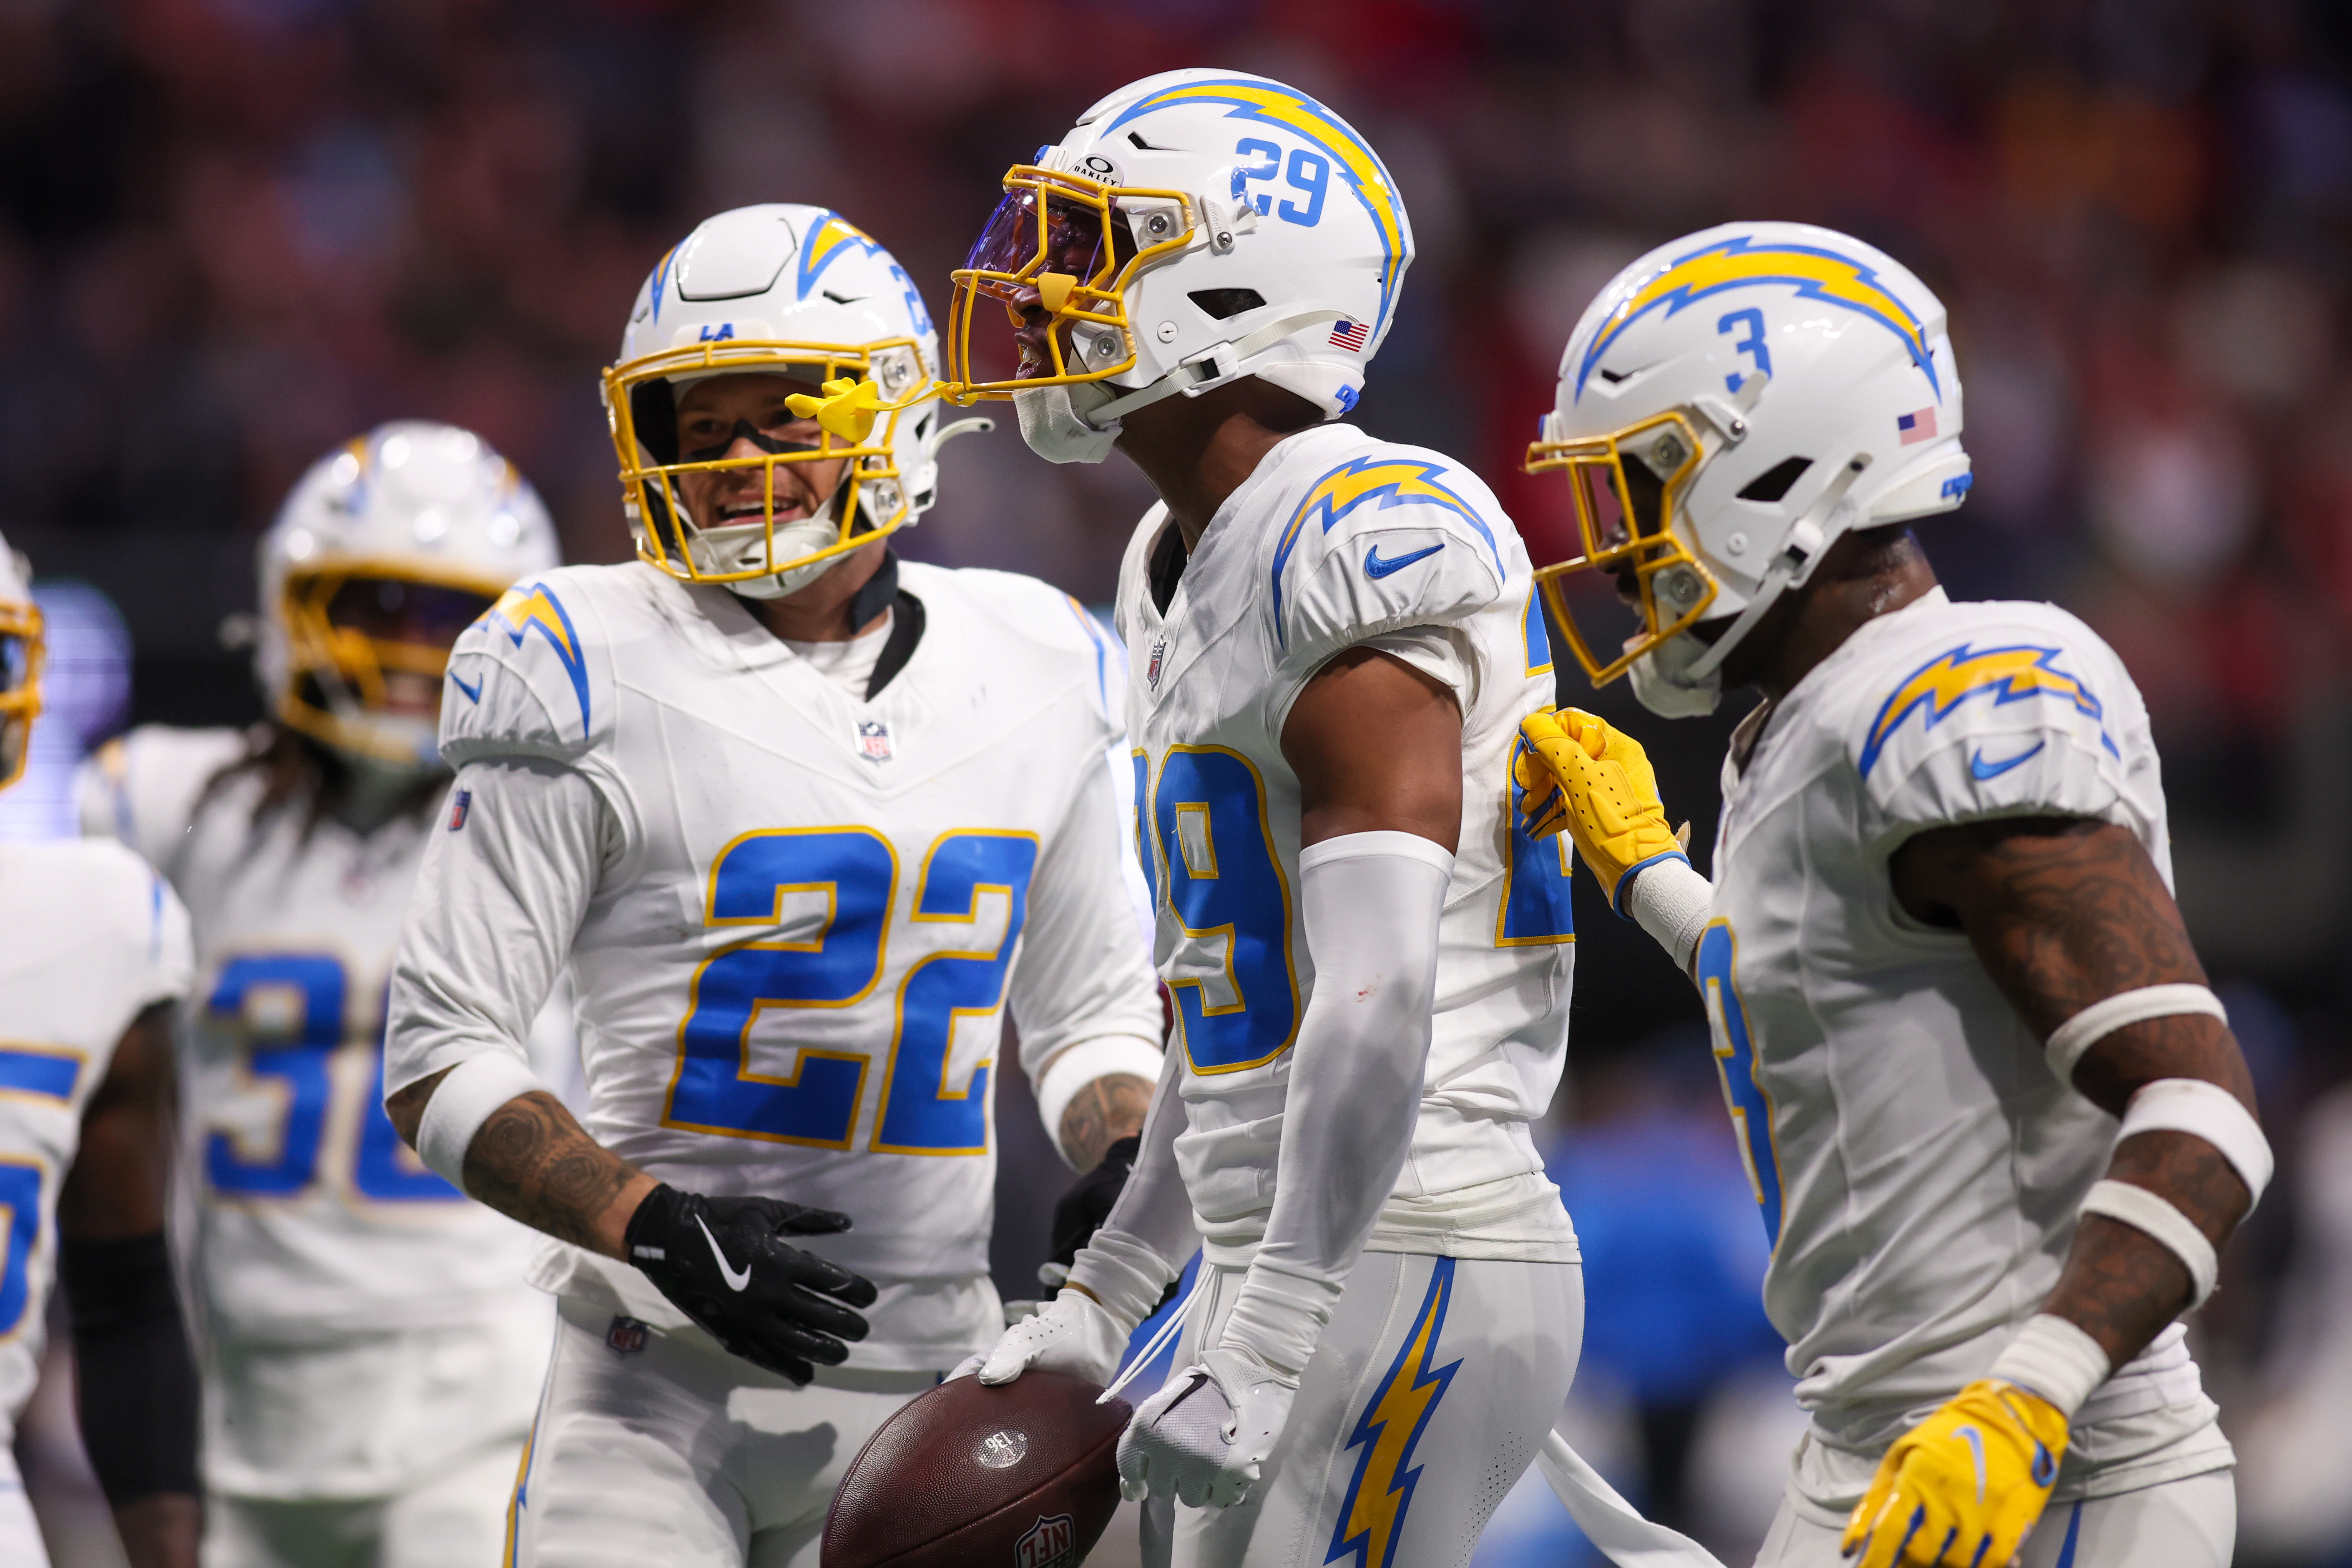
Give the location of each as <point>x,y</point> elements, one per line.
<point>1223,303</point>
<point>1773,483</point>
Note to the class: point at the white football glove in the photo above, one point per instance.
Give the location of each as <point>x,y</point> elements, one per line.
<point>1070,1333</point>
<point>1205,1436</point>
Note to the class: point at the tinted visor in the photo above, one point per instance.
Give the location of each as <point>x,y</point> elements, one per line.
<point>15,663</point>
<point>1067,239</point>
<point>391,610</point>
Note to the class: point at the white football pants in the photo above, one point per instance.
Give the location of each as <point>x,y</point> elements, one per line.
<point>653,1448</point>
<point>1433,1385</point>
<point>2188,1523</point>
<point>20,1532</point>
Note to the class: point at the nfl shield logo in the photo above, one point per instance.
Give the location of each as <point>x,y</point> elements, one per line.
<point>1151,670</point>
<point>1051,1541</point>
<point>626,1337</point>
<point>873,740</point>
<point>459,807</point>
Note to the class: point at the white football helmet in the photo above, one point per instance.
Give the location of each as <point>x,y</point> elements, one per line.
<point>1775,386</point>
<point>388,548</point>
<point>797,291</point>
<point>21,651</point>
<point>1196,226</point>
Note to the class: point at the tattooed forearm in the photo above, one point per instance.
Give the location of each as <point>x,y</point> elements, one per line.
<point>532,1162</point>
<point>1103,1112</point>
<point>2063,912</point>
<point>2120,1285</point>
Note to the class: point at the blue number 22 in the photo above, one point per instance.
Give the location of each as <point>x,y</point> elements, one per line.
<point>856,873</point>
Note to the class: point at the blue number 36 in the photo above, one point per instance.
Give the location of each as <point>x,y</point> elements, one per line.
<point>300,1068</point>
<point>856,871</point>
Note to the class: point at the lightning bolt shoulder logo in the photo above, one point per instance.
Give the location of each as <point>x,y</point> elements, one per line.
<point>1953,677</point>
<point>1382,482</point>
<point>1270,104</point>
<point>1371,1515</point>
<point>526,609</point>
<point>1814,271</point>
<point>833,235</point>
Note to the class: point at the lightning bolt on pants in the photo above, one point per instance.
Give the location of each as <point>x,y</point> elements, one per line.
<point>1433,1385</point>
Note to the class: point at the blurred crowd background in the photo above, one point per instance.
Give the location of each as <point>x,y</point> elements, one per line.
<point>234,233</point>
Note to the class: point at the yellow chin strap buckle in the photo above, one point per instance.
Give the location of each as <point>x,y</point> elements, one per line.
<point>848,409</point>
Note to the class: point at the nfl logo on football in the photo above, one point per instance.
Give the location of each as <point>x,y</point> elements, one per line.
<point>873,740</point>
<point>1051,1542</point>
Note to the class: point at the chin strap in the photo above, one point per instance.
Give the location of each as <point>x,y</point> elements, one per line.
<point>1213,366</point>
<point>1801,550</point>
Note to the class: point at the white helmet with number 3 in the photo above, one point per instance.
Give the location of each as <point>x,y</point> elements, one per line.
<point>388,548</point>
<point>1729,406</point>
<point>1196,226</point>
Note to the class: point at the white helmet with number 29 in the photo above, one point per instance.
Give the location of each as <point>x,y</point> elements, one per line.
<point>1729,406</point>
<point>1196,226</point>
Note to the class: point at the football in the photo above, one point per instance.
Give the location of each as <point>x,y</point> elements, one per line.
<point>1024,1476</point>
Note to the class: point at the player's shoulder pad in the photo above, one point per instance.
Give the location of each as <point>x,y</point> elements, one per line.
<point>1047,625</point>
<point>141,788</point>
<point>124,908</point>
<point>534,676</point>
<point>1993,709</point>
<point>1388,536</point>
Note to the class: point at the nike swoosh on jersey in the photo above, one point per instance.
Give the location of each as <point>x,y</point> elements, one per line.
<point>735,1281</point>
<point>473,693</point>
<point>1378,565</point>
<point>1984,770</point>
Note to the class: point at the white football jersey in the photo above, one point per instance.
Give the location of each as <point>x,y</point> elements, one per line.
<point>811,910</point>
<point>89,938</point>
<point>1337,540</point>
<point>314,1218</point>
<point>1918,1165</point>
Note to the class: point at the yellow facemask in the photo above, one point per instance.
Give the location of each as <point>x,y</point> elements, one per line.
<point>1625,534</point>
<point>22,651</point>
<point>1055,242</point>
<point>336,669</point>
<point>866,391</point>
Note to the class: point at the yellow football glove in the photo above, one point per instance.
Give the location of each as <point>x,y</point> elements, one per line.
<point>1964,1486</point>
<point>1581,774</point>
<point>848,409</point>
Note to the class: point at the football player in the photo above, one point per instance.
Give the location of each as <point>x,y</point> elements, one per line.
<point>370,1347</point>
<point>95,952</point>
<point>1995,1120</point>
<point>802,821</point>
<point>1333,641</point>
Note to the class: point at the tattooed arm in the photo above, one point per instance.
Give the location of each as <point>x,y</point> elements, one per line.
<point>532,1162</point>
<point>2063,913</point>
<point>1103,1112</point>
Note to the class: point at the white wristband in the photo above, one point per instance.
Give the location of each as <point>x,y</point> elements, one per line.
<point>2095,1023</point>
<point>1670,901</point>
<point>2156,1215</point>
<point>2206,1111</point>
<point>461,1102</point>
<point>2054,1357</point>
<point>1126,1275</point>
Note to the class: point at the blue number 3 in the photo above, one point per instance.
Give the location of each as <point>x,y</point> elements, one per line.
<point>856,871</point>
<point>1735,1060</point>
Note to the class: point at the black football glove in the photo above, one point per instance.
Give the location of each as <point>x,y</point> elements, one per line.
<point>722,1262</point>
<point>1085,1206</point>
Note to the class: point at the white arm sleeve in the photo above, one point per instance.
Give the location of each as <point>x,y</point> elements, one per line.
<point>489,926</point>
<point>1372,903</point>
<point>1143,1242</point>
<point>1081,991</point>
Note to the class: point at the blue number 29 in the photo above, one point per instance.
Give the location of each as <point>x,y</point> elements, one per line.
<point>1310,172</point>
<point>1227,894</point>
<point>1735,1053</point>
